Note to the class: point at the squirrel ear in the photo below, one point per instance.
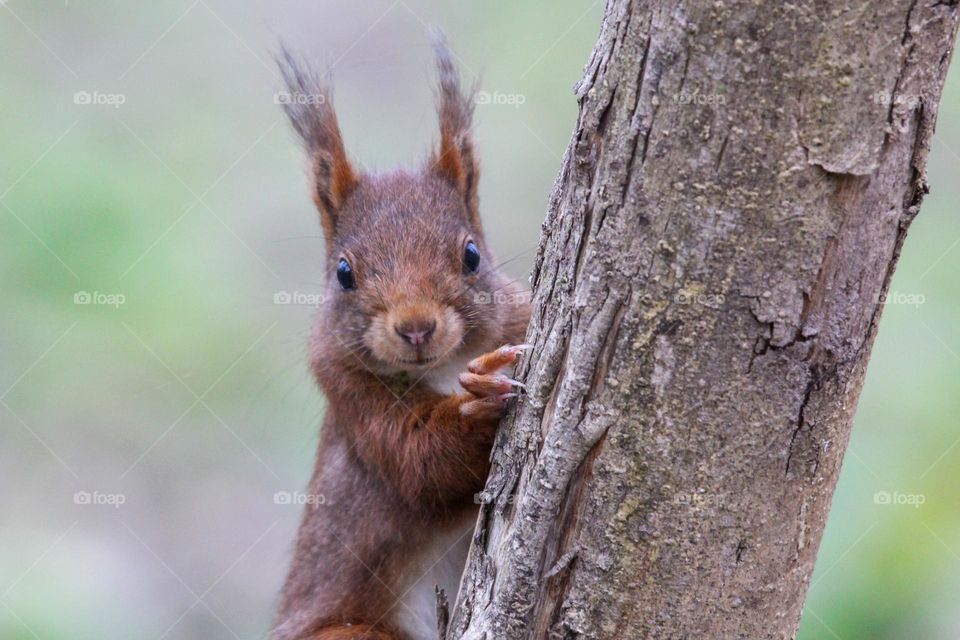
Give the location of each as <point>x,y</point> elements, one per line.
<point>455,159</point>
<point>309,106</point>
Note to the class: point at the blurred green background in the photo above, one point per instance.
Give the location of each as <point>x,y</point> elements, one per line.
<point>154,399</point>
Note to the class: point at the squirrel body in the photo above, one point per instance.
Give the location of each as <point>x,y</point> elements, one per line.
<point>411,350</point>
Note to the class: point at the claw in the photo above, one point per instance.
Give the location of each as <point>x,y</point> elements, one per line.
<point>508,349</point>
<point>488,385</point>
<point>498,359</point>
<point>515,383</point>
<point>491,407</point>
<point>498,400</point>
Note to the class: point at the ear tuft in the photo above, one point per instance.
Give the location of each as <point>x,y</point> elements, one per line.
<point>308,104</point>
<point>455,159</point>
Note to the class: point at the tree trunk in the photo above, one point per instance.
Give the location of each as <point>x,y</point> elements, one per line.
<point>724,226</point>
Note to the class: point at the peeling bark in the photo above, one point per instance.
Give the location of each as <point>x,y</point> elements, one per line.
<point>725,223</point>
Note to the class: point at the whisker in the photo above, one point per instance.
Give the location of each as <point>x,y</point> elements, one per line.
<point>495,267</point>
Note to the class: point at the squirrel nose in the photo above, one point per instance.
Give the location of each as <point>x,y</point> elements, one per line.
<point>417,332</point>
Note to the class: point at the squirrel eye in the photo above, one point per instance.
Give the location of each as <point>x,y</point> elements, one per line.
<point>471,258</point>
<point>345,275</point>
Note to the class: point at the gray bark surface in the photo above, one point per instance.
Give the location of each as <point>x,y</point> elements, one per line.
<point>724,226</point>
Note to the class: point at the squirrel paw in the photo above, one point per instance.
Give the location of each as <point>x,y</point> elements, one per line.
<point>489,386</point>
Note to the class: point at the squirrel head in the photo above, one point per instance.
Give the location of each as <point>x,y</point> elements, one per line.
<point>409,276</point>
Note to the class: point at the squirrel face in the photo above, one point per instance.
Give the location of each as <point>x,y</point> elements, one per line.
<point>407,263</point>
<point>405,271</point>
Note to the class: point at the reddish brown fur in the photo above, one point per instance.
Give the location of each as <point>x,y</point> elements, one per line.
<point>399,461</point>
<point>351,632</point>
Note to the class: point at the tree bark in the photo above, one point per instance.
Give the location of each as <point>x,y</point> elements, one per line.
<point>722,232</point>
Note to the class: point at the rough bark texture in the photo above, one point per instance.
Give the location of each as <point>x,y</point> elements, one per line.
<point>726,220</point>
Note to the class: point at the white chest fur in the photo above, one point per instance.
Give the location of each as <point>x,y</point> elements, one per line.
<point>439,563</point>
<point>444,378</point>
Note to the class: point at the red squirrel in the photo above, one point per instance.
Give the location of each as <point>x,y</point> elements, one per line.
<point>411,348</point>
